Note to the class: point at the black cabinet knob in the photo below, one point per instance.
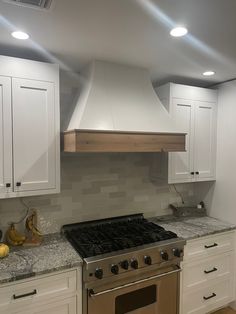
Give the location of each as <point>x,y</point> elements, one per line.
<point>177,252</point>
<point>192,173</point>
<point>134,264</point>
<point>115,269</point>
<point>18,183</point>
<point>148,260</point>
<point>164,256</point>
<point>8,185</point>
<point>197,172</point>
<point>124,264</point>
<point>99,273</point>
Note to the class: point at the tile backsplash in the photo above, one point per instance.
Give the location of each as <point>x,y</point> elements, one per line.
<point>95,186</point>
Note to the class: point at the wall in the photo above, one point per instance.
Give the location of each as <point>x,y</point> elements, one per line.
<point>97,186</point>
<point>100,185</point>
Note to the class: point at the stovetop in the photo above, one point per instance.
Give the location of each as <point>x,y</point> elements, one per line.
<point>104,236</point>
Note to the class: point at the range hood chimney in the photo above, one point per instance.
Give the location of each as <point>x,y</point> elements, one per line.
<point>119,111</point>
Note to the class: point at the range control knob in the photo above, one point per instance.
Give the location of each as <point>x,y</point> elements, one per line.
<point>99,273</point>
<point>177,252</point>
<point>134,264</point>
<point>124,264</point>
<point>115,269</point>
<point>164,255</point>
<point>148,260</point>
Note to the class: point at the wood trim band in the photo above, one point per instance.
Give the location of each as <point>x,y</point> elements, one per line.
<point>110,141</point>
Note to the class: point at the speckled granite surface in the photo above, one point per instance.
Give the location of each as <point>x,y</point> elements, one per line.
<point>54,254</point>
<point>193,227</point>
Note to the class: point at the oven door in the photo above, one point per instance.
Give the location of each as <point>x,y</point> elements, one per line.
<point>156,294</point>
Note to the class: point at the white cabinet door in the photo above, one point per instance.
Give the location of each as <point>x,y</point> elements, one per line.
<point>181,164</point>
<point>5,137</point>
<point>205,140</point>
<point>34,138</point>
<point>66,306</point>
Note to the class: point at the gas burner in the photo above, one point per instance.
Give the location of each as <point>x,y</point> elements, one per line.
<point>109,235</point>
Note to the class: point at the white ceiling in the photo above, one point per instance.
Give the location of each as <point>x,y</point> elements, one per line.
<point>129,31</point>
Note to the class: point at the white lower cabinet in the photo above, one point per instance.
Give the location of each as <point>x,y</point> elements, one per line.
<point>209,298</point>
<point>59,293</point>
<point>67,306</point>
<point>207,279</point>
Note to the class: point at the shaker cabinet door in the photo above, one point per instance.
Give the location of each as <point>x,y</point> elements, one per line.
<point>181,164</point>
<point>205,140</point>
<point>65,306</point>
<point>34,138</point>
<point>5,137</point>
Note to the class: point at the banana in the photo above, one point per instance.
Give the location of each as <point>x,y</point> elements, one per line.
<point>13,237</point>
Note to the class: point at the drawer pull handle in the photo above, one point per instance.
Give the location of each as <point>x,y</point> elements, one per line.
<point>209,246</point>
<point>210,271</point>
<point>15,297</point>
<point>211,296</point>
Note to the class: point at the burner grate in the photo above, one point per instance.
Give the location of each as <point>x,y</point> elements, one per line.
<point>91,239</point>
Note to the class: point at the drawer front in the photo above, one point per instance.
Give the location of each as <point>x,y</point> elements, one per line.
<point>66,306</point>
<point>208,246</point>
<point>37,290</point>
<point>209,298</point>
<point>201,273</point>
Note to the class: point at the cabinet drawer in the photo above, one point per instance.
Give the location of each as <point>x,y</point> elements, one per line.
<point>66,306</point>
<point>208,246</point>
<point>37,290</point>
<point>201,273</point>
<point>209,298</point>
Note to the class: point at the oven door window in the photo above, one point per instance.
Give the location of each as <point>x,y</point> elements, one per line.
<point>135,300</point>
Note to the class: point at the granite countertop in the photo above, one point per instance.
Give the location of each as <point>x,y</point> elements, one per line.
<point>54,254</point>
<point>193,227</point>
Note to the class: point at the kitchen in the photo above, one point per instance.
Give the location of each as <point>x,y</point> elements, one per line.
<point>99,101</point>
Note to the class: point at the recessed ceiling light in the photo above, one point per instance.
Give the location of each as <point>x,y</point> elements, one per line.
<point>20,35</point>
<point>178,31</point>
<point>208,73</point>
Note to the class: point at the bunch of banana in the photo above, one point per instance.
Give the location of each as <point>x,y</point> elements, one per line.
<point>13,237</point>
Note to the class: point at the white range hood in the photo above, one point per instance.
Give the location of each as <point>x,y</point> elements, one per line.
<point>120,100</point>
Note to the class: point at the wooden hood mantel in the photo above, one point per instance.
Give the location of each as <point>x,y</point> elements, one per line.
<point>93,141</point>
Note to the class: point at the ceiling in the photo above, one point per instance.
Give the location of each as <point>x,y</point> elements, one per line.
<point>133,32</point>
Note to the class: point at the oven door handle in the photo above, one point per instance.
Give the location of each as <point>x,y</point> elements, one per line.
<point>96,294</point>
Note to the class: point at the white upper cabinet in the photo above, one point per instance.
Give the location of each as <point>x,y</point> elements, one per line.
<point>205,140</point>
<point>194,111</point>
<point>30,132</point>
<point>34,141</point>
<point>181,164</point>
<point>5,137</point>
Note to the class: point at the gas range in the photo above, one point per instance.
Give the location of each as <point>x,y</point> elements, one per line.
<point>129,264</point>
<point>114,246</point>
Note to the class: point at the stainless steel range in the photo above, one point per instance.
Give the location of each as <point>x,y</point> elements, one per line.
<point>130,265</point>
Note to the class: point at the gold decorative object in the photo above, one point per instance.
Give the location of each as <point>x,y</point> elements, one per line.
<point>34,236</point>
